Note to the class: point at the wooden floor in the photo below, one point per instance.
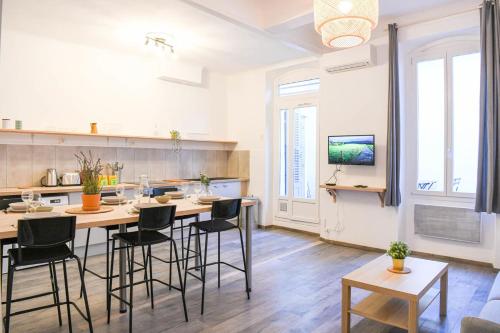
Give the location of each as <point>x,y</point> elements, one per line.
<point>296,288</point>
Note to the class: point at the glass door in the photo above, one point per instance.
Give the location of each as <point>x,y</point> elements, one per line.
<point>297,159</point>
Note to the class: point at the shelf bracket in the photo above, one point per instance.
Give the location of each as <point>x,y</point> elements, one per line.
<point>333,193</point>
<point>381,196</point>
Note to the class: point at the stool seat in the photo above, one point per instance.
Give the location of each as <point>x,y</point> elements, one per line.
<point>116,226</point>
<point>34,256</point>
<point>144,237</point>
<point>216,225</point>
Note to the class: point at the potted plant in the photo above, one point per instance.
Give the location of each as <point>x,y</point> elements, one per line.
<point>398,251</point>
<point>175,135</point>
<point>90,170</point>
<point>205,182</point>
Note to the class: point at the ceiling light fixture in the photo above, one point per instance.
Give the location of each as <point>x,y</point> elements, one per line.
<point>345,23</point>
<point>162,41</point>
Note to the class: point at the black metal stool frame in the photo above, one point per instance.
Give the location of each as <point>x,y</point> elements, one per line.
<point>222,210</point>
<point>28,232</point>
<point>145,226</point>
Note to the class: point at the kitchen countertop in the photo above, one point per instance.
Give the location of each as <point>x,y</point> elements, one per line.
<point>7,191</point>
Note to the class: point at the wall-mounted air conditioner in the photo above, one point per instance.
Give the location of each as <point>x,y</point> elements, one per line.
<point>350,59</point>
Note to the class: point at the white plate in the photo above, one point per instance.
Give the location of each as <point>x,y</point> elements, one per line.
<point>15,210</point>
<point>18,206</point>
<point>146,205</point>
<point>208,198</point>
<point>113,203</point>
<point>41,215</point>
<point>114,199</point>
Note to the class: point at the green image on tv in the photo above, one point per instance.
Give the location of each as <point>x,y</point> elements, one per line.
<point>351,150</point>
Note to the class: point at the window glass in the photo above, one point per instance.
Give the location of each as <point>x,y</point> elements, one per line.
<point>304,154</point>
<point>466,89</point>
<point>283,153</point>
<point>300,87</point>
<point>431,125</point>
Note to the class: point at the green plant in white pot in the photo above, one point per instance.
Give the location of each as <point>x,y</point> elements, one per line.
<point>398,251</point>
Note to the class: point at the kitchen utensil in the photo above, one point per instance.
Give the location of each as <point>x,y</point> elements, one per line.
<point>50,179</point>
<point>163,199</point>
<point>70,178</point>
<point>18,206</point>
<point>41,215</point>
<point>6,123</point>
<point>208,198</point>
<point>114,199</point>
<point>176,194</point>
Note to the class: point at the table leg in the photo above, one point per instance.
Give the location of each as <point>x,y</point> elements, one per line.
<point>413,317</point>
<point>248,234</point>
<point>443,294</point>
<point>122,264</point>
<point>346,308</point>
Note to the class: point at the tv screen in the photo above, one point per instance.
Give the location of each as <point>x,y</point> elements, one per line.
<point>351,150</point>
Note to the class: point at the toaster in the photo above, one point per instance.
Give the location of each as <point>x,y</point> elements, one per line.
<point>70,178</point>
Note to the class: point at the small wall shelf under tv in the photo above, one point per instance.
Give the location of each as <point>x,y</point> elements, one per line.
<point>332,190</point>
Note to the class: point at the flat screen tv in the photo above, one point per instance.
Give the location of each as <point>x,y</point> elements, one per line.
<point>351,149</point>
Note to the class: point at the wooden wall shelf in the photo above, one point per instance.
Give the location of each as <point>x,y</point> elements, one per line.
<point>38,137</point>
<point>332,190</point>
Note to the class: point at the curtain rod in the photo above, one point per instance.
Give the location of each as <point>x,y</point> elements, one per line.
<point>437,18</point>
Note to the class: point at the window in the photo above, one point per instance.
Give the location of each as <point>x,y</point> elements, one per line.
<point>300,87</point>
<point>304,154</point>
<point>296,156</point>
<point>447,99</point>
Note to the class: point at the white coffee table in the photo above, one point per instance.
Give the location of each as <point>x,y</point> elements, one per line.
<point>396,299</point>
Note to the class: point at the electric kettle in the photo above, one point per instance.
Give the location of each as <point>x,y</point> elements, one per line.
<point>50,179</point>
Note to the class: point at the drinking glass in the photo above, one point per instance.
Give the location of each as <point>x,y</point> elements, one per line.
<point>197,191</point>
<point>120,193</point>
<point>27,197</point>
<point>138,193</point>
<point>36,201</point>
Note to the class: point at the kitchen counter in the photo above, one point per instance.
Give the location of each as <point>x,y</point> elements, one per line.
<point>8,191</point>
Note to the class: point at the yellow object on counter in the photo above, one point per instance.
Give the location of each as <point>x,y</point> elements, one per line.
<point>112,180</point>
<point>103,180</point>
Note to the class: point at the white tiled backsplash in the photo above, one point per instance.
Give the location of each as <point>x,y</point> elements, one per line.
<point>25,165</point>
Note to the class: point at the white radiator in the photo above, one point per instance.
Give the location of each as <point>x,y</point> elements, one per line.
<point>458,224</point>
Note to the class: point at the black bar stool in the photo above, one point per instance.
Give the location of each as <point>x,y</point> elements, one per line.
<point>222,211</point>
<point>44,241</point>
<point>151,220</point>
<point>110,229</point>
<point>162,191</point>
<point>4,204</point>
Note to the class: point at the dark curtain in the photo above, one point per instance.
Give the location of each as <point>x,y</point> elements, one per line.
<point>488,175</point>
<point>393,194</point>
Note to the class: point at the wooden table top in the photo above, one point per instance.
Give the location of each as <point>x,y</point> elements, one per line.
<point>374,276</point>
<point>119,215</point>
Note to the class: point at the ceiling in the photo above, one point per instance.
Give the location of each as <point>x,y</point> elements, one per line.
<point>223,35</point>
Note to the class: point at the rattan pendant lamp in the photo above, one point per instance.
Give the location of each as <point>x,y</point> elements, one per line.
<point>345,23</point>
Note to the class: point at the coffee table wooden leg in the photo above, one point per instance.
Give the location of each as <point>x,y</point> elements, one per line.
<point>346,307</point>
<point>443,300</point>
<point>413,317</point>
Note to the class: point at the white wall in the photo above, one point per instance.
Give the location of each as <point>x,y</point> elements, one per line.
<point>55,85</point>
<point>351,103</point>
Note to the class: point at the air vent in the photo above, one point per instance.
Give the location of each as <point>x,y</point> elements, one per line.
<point>346,68</point>
<point>283,207</point>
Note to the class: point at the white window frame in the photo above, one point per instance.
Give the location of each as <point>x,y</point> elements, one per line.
<point>443,49</point>
<point>291,102</point>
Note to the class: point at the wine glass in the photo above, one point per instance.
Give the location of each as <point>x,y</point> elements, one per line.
<point>139,193</point>
<point>120,193</point>
<point>27,197</point>
<point>197,191</point>
<point>36,201</point>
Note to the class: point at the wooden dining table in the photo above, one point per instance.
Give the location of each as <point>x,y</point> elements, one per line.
<point>122,215</point>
